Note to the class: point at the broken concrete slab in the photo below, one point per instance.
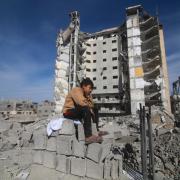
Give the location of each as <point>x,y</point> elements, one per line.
<point>78,166</point>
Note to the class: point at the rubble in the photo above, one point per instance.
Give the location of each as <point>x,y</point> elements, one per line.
<point>26,147</point>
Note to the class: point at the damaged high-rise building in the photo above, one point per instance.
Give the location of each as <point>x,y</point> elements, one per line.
<point>127,64</point>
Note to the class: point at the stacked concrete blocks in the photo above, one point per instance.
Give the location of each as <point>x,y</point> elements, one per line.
<point>66,152</point>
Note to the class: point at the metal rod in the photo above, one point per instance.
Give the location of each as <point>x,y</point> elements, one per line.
<point>143,141</point>
<point>151,149</point>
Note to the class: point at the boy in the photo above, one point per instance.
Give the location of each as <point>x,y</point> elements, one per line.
<point>79,105</point>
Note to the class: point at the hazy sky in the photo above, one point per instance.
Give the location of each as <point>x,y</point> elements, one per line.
<point>28,31</point>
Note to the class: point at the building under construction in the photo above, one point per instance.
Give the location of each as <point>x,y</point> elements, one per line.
<point>127,64</point>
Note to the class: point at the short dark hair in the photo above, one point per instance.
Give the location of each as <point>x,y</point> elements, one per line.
<point>86,81</point>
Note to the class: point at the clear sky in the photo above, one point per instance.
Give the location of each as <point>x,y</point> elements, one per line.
<point>28,31</point>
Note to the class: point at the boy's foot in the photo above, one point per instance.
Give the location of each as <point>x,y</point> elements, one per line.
<point>93,139</point>
<point>102,133</point>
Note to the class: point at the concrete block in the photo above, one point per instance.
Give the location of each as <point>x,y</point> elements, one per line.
<point>94,170</point>
<point>78,148</point>
<point>94,152</point>
<point>39,140</point>
<point>67,128</point>
<point>81,136</point>
<point>51,144</point>
<point>118,157</point>
<point>38,157</point>
<point>64,144</point>
<point>49,159</point>
<point>107,169</point>
<point>114,169</point>
<point>78,166</point>
<point>63,164</point>
<point>106,149</point>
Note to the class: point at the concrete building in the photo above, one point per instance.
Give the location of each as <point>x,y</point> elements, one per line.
<point>127,64</point>
<point>105,66</point>
<point>12,107</point>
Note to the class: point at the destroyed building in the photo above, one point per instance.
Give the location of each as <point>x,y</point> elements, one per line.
<point>127,64</point>
<point>15,107</point>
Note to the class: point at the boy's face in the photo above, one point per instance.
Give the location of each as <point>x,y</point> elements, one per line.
<point>87,89</point>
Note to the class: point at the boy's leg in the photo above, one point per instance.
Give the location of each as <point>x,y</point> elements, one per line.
<point>95,117</point>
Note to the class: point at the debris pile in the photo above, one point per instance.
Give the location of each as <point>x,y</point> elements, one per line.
<point>16,146</point>
<point>167,153</point>
<point>26,152</point>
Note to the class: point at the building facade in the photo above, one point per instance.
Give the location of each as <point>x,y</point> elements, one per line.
<point>127,64</point>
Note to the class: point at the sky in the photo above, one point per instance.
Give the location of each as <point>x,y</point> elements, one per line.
<point>29,28</point>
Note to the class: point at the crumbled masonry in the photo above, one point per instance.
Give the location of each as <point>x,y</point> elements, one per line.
<point>25,150</point>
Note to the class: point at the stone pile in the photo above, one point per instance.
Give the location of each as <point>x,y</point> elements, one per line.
<point>13,135</point>
<point>15,148</point>
<point>65,151</point>
<point>167,153</point>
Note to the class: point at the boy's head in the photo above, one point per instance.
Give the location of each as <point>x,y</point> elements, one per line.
<point>87,86</point>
